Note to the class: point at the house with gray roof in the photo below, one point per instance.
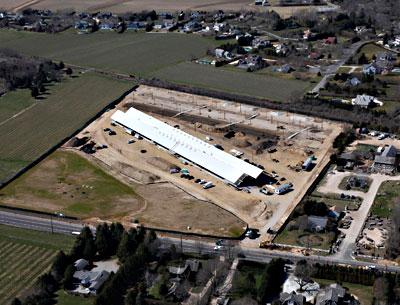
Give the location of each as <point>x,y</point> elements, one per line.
<point>291,298</point>
<point>387,161</point>
<point>365,101</point>
<point>317,223</point>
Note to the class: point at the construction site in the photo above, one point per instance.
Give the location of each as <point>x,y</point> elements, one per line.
<point>289,150</point>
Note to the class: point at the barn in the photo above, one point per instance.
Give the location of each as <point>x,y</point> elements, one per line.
<point>229,168</point>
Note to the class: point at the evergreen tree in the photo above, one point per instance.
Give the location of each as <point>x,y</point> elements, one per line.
<point>68,277</point>
<point>59,265</point>
<point>103,241</point>
<point>16,301</point>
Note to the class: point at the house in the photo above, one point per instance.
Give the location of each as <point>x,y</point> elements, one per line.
<point>81,264</point>
<point>330,40</point>
<point>260,43</point>
<point>360,29</point>
<point>291,299</point>
<point>371,69</point>
<point>317,223</point>
<point>221,53</point>
<point>387,161</point>
<point>192,26</point>
<point>191,265</point>
<point>281,49</point>
<point>315,55</point>
<point>252,63</point>
<point>353,81</point>
<point>309,290</point>
<point>389,56</point>
<point>335,294</point>
<point>90,281</point>
<point>365,101</point>
<point>106,26</point>
<point>285,69</point>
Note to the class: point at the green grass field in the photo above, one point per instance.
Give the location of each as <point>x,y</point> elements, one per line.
<point>24,256</point>
<point>233,81</point>
<point>64,298</point>
<point>388,193</point>
<point>370,49</point>
<point>66,182</point>
<point>135,53</point>
<point>66,107</point>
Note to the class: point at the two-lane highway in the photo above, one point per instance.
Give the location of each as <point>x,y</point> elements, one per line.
<point>232,249</point>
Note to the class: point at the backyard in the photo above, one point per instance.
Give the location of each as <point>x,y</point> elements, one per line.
<point>387,194</point>
<point>25,255</point>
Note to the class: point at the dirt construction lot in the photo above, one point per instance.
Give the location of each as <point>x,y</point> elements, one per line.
<point>294,138</point>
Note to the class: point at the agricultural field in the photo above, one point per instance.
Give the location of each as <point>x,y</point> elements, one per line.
<point>239,82</point>
<point>141,54</point>
<point>131,53</point>
<point>65,108</point>
<point>25,255</point>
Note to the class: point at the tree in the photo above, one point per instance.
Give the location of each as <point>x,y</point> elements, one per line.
<point>303,273</point>
<point>61,65</point>
<point>68,71</point>
<point>104,243</point>
<point>362,60</point>
<point>89,251</point>
<point>127,245</point>
<point>59,265</point>
<point>34,92</point>
<point>271,281</point>
<point>16,301</point>
<point>130,298</point>
<point>68,277</point>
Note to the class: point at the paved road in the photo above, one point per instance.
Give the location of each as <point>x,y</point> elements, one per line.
<point>34,222</point>
<point>331,70</point>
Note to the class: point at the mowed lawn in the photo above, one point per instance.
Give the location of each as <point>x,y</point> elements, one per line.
<point>229,80</point>
<point>24,256</point>
<point>66,107</point>
<point>132,53</point>
<point>68,183</point>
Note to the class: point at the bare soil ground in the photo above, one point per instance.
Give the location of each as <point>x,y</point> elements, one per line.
<point>121,6</point>
<point>295,137</point>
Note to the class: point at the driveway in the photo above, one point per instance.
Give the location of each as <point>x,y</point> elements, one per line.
<point>359,216</point>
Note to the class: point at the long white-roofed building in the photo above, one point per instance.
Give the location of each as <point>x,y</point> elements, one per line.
<point>199,152</point>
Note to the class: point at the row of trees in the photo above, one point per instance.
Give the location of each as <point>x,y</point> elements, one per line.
<point>19,71</point>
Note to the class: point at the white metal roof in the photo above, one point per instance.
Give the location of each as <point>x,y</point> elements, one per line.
<point>189,147</point>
